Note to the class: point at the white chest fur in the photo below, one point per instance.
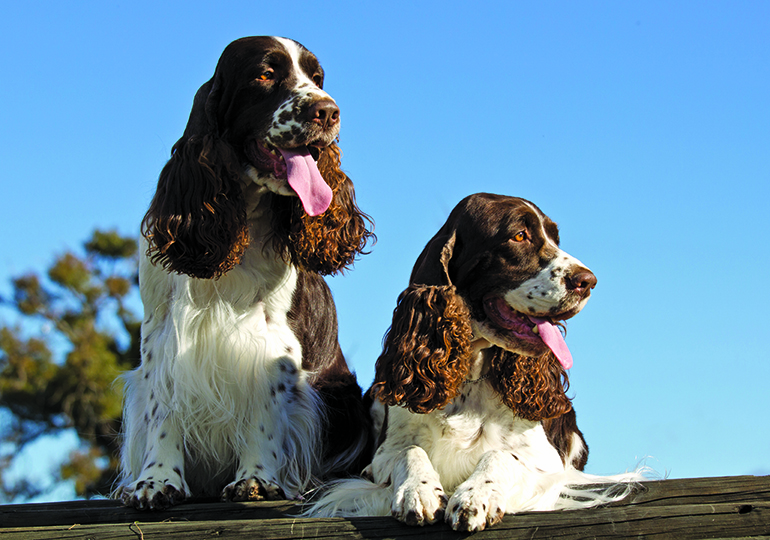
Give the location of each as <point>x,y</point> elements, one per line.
<point>223,345</point>
<point>473,424</point>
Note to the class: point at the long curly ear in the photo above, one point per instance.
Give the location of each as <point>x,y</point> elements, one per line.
<point>327,243</point>
<point>534,388</point>
<point>426,354</point>
<point>196,223</point>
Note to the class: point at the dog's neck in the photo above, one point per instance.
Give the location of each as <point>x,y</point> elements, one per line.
<point>480,363</point>
<point>256,184</point>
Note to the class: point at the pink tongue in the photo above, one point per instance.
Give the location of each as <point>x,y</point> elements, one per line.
<point>306,180</point>
<point>552,337</point>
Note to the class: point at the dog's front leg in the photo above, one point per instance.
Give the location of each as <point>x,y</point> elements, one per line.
<point>481,500</point>
<point>160,483</point>
<point>257,476</point>
<point>419,497</point>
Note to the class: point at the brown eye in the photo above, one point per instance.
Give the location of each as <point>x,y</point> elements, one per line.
<point>520,236</point>
<point>318,80</point>
<point>268,75</point>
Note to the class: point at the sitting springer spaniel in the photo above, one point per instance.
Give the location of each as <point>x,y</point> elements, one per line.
<point>469,392</point>
<point>243,391</point>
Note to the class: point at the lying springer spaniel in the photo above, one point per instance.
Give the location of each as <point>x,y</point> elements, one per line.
<point>469,392</point>
<point>243,391</point>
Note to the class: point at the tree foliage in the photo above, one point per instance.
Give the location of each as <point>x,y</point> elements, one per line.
<point>73,333</point>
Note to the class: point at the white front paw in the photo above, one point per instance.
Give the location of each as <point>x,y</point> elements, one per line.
<point>473,507</point>
<point>152,495</point>
<point>419,502</point>
<point>157,488</point>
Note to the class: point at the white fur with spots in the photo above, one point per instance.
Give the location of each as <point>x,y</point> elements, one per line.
<point>469,464</point>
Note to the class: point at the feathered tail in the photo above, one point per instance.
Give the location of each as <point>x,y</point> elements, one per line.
<point>567,490</point>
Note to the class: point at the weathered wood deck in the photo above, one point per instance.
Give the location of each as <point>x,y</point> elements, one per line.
<point>729,507</point>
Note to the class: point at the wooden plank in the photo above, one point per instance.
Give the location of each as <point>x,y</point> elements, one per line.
<point>665,492</point>
<point>679,522</point>
<point>693,490</point>
<point>109,511</point>
<point>732,507</point>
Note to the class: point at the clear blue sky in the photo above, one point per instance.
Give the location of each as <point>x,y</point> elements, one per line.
<point>642,128</point>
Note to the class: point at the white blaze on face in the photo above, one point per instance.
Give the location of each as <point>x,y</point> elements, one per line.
<point>295,52</point>
<point>292,130</point>
<point>284,119</point>
<point>547,290</point>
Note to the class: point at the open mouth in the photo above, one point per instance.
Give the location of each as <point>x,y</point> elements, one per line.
<point>528,328</point>
<point>298,166</point>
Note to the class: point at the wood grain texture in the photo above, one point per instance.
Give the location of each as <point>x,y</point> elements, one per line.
<point>729,507</point>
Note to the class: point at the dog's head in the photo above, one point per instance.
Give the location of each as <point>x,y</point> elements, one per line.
<point>263,119</point>
<point>267,100</point>
<point>502,255</point>
<point>493,274</point>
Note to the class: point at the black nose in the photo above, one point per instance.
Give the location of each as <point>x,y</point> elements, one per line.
<point>582,281</point>
<point>324,113</point>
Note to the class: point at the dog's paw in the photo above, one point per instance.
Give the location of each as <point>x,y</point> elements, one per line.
<point>419,502</point>
<point>475,507</point>
<point>152,495</point>
<point>252,489</point>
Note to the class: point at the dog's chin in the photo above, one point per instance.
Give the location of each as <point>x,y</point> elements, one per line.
<point>573,309</point>
<point>523,342</point>
<point>268,180</point>
<point>264,157</point>
<point>503,325</point>
<point>265,165</point>
<point>289,172</point>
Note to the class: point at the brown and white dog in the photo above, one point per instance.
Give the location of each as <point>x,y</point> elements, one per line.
<point>469,392</point>
<point>243,390</point>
